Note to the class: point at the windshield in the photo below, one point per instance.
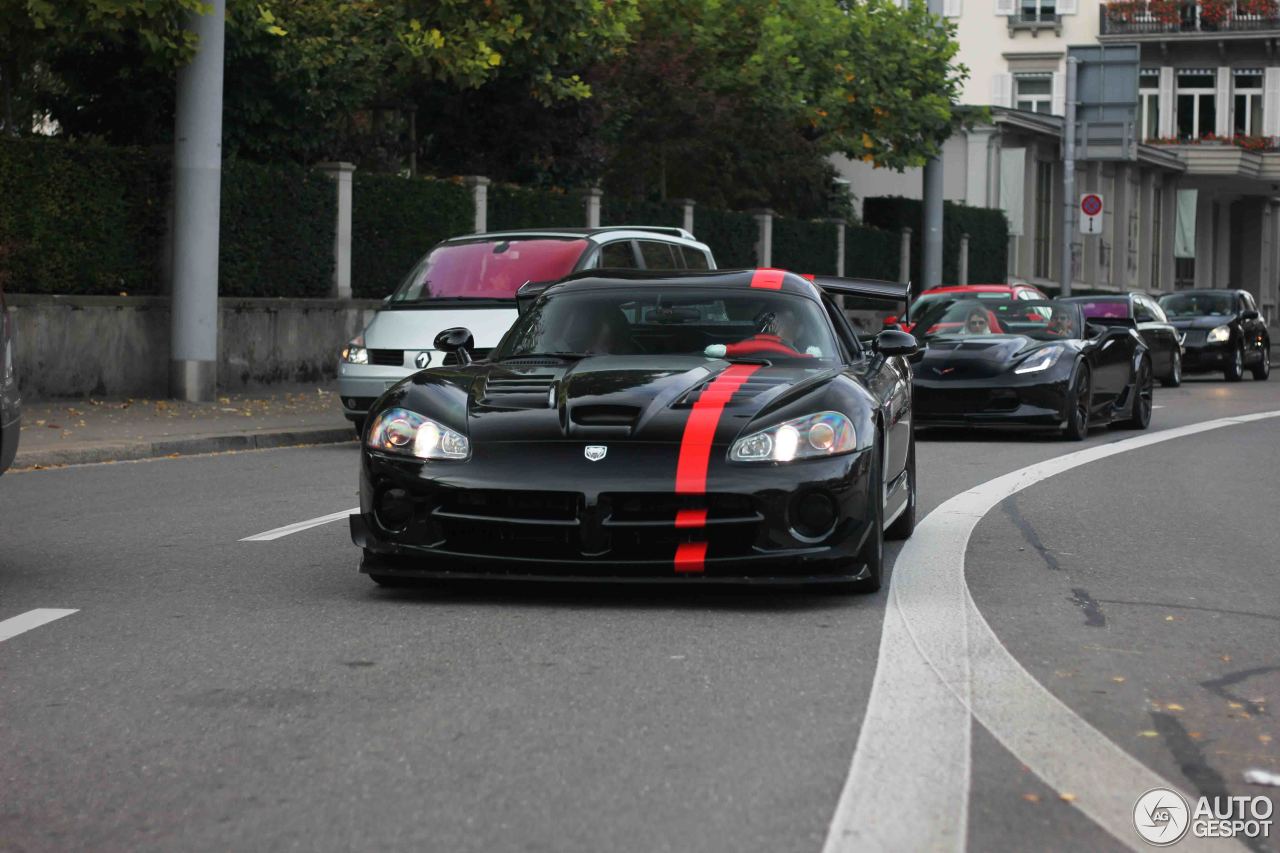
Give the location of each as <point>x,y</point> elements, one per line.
<point>487,270</point>
<point>733,324</point>
<point>1198,304</point>
<point>1105,309</point>
<point>1043,320</point>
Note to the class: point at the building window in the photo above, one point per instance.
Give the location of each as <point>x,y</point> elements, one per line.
<point>1149,102</point>
<point>1197,102</point>
<point>1157,237</point>
<point>1184,273</point>
<point>1033,93</point>
<point>1038,10</point>
<point>1247,112</point>
<point>1044,218</point>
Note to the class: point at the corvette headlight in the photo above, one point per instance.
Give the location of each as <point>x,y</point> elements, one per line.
<point>354,352</point>
<point>403,431</point>
<point>823,434</point>
<point>1219,335</point>
<point>1040,360</point>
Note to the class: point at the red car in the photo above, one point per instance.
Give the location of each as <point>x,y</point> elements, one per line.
<point>955,292</point>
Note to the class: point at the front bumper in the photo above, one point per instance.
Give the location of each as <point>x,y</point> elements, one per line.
<point>617,522</point>
<point>359,385</point>
<point>1206,357</point>
<point>1033,402</point>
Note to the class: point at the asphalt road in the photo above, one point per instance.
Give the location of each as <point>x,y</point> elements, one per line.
<point>211,693</point>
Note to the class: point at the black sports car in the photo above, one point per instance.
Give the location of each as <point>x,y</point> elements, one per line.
<point>717,426</point>
<point>1223,331</point>
<point>1031,364</point>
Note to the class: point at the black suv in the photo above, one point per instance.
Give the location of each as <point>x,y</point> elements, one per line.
<point>1223,331</point>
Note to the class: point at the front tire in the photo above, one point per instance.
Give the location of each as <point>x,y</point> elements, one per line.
<point>905,524</point>
<point>1262,369</point>
<point>1174,379</point>
<point>1234,371</point>
<point>1143,398</point>
<point>1079,405</point>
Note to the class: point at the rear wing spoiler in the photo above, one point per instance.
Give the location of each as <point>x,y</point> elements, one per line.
<point>868,288</point>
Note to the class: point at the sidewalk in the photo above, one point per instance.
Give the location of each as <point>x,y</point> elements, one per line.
<point>69,432</point>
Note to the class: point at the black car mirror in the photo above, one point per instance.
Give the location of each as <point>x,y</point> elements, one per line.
<point>1250,315</point>
<point>892,342</point>
<point>457,340</point>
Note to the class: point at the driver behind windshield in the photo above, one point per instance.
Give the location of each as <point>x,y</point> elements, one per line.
<point>779,328</point>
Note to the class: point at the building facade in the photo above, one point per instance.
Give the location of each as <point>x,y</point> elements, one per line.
<point>1197,204</point>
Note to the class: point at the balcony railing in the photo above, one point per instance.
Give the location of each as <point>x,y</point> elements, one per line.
<point>1156,17</point>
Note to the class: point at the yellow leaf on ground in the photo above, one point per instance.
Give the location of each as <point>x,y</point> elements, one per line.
<point>1264,738</point>
<point>1031,798</point>
<point>1149,733</point>
<point>1118,679</point>
<point>1067,797</point>
<point>1174,706</point>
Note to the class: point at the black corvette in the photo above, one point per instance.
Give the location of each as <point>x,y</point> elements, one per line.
<point>716,427</point>
<point>1031,364</point>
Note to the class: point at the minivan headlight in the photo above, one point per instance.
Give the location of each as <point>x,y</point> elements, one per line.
<point>823,434</point>
<point>1219,334</point>
<point>354,352</point>
<point>411,434</point>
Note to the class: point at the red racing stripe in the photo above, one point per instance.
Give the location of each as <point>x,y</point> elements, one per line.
<point>695,456</point>
<point>768,279</point>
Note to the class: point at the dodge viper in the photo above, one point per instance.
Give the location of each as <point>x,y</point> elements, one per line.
<point>721,426</point>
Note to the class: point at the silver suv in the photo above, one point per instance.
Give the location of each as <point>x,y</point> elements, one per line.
<point>472,282</point>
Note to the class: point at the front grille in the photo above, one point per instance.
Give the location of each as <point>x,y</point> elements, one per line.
<point>509,505</point>
<point>387,357</point>
<point>959,401</point>
<point>511,524</point>
<point>1196,337</point>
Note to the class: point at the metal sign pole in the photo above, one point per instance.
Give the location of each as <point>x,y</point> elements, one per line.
<point>1069,199</point>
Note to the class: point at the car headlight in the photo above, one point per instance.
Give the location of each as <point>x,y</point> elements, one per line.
<point>403,431</point>
<point>1040,360</point>
<point>823,434</point>
<point>1220,334</point>
<point>354,352</point>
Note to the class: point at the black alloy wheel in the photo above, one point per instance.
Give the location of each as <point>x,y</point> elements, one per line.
<point>905,523</point>
<point>1174,379</point>
<point>1262,369</point>
<point>1144,398</point>
<point>1234,370</point>
<point>1079,405</point>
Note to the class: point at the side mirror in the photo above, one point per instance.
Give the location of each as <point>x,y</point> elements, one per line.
<point>1250,315</point>
<point>892,342</point>
<point>457,340</point>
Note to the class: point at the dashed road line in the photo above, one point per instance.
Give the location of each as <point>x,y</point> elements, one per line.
<point>300,526</point>
<point>11,628</point>
<point>941,667</point>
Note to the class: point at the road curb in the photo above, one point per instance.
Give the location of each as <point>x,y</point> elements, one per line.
<point>124,451</point>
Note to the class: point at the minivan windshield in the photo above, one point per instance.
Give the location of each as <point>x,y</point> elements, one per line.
<point>487,269</point>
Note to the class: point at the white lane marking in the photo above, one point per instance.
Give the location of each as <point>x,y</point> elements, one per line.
<point>11,628</point>
<point>937,653</point>
<point>300,526</point>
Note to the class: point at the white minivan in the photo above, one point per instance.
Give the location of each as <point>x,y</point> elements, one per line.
<point>472,281</point>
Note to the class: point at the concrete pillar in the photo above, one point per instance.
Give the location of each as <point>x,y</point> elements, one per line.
<point>964,260</point>
<point>688,205</point>
<point>1222,245</point>
<point>839,225</point>
<point>904,257</point>
<point>977,180</point>
<point>341,175</point>
<point>592,198</point>
<point>197,194</point>
<point>764,243</point>
<point>480,199</point>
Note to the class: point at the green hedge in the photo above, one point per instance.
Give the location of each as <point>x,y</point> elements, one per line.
<point>518,207</point>
<point>730,234</point>
<point>804,247</point>
<point>987,229</point>
<point>80,218</point>
<point>619,211</point>
<point>276,231</point>
<point>871,253</point>
<point>394,221</point>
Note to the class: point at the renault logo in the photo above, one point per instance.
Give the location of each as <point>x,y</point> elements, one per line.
<point>595,452</point>
<point>423,359</point>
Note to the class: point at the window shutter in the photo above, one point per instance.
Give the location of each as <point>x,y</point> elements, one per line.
<point>1006,7</point>
<point>1222,109</point>
<point>1271,102</point>
<point>1168,117</point>
<point>951,8</point>
<point>1001,90</point>
<point>1059,95</point>
<point>1067,7</point>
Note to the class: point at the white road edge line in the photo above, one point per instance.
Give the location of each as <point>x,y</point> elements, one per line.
<point>940,666</point>
<point>11,628</point>
<point>300,526</point>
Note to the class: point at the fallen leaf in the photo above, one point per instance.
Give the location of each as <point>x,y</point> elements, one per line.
<point>1066,797</point>
<point>1234,705</point>
<point>1194,735</point>
<point>1118,679</point>
<point>1031,798</point>
<point>1168,618</point>
<point>1264,738</point>
<point>1174,706</point>
<point>1225,658</point>
<point>1149,733</point>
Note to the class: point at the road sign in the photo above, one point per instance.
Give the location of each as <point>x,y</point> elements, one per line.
<point>1090,213</point>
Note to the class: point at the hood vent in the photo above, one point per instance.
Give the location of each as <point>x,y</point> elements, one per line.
<point>522,391</point>
<point>605,416</point>
<point>755,385</point>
